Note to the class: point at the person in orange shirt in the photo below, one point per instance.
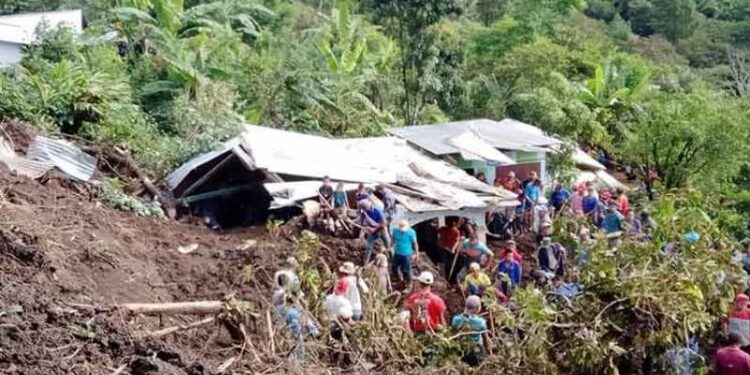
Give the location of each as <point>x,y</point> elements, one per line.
<point>622,202</point>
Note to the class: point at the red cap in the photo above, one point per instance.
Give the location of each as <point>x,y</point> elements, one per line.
<point>741,298</point>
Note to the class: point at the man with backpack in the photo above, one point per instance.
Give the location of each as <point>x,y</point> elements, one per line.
<point>426,309</point>
<point>477,340</point>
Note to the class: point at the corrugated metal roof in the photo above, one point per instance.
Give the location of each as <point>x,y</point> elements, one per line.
<point>585,160</point>
<point>63,155</point>
<point>370,160</point>
<point>474,148</point>
<point>505,135</point>
<point>601,178</point>
<point>175,178</point>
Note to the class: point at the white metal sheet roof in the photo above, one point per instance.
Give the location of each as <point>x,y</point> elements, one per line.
<point>387,160</point>
<point>474,148</point>
<point>601,178</point>
<point>505,135</point>
<point>585,160</point>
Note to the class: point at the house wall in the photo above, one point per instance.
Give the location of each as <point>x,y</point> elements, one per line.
<point>477,215</point>
<point>10,53</point>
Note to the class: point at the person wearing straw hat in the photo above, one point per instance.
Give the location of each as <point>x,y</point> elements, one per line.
<point>475,327</point>
<point>426,309</point>
<point>405,250</point>
<point>351,287</point>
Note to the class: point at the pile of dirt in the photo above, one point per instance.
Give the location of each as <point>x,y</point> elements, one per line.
<point>60,247</point>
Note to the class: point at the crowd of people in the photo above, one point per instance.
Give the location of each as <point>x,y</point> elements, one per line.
<point>470,266</point>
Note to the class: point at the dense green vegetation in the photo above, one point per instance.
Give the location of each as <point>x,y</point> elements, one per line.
<point>661,83</point>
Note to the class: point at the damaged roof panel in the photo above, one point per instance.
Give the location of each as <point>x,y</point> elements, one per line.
<point>387,160</point>
<point>305,155</point>
<point>63,155</point>
<point>178,175</point>
<point>505,135</point>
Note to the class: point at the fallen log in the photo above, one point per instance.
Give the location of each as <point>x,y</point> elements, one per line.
<point>191,308</point>
<point>168,308</point>
<point>184,327</point>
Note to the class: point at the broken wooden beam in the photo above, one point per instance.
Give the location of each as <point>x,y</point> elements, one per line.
<point>167,308</point>
<point>192,308</point>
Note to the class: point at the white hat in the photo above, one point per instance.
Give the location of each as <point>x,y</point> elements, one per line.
<point>348,268</point>
<point>474,266</point>
<point>426,278</point>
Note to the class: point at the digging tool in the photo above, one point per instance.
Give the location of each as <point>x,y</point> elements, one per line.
<point>455,258</point>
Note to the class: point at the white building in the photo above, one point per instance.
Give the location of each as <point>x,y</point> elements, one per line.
<point>19,30</point>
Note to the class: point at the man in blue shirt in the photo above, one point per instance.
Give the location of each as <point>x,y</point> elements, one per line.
<point>405,250</point>
<point>612,225</point>
<point>510,269</point>
<point>477,340</point>
<point>374,225</point>
<point>590,202</point>
<point>612,220</point>
<point>559,196</point>
<point>531,191</point>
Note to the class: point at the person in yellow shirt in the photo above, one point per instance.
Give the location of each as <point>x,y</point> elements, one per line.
<point>476,281</point>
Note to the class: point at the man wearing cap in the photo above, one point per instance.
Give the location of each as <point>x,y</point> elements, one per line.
<point>405,250</point>
<point>350,286</point>
<point>476,281</point>
<point>426,309</point>
<point>552,259</point>
<point>545,230</point>
<point>476,328</point>
<point>739,319</point>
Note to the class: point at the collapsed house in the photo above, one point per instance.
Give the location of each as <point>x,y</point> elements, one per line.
<point>266,169</point>
<point>524,149</point>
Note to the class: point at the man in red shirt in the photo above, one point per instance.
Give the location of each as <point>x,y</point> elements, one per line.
<point>730,359</point>
<point>449,237</point>
<point>426,309</point>
<point>510,246</point>
<point>739,319</point>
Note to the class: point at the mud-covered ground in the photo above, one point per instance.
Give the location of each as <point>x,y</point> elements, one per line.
<point>60,248</point>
